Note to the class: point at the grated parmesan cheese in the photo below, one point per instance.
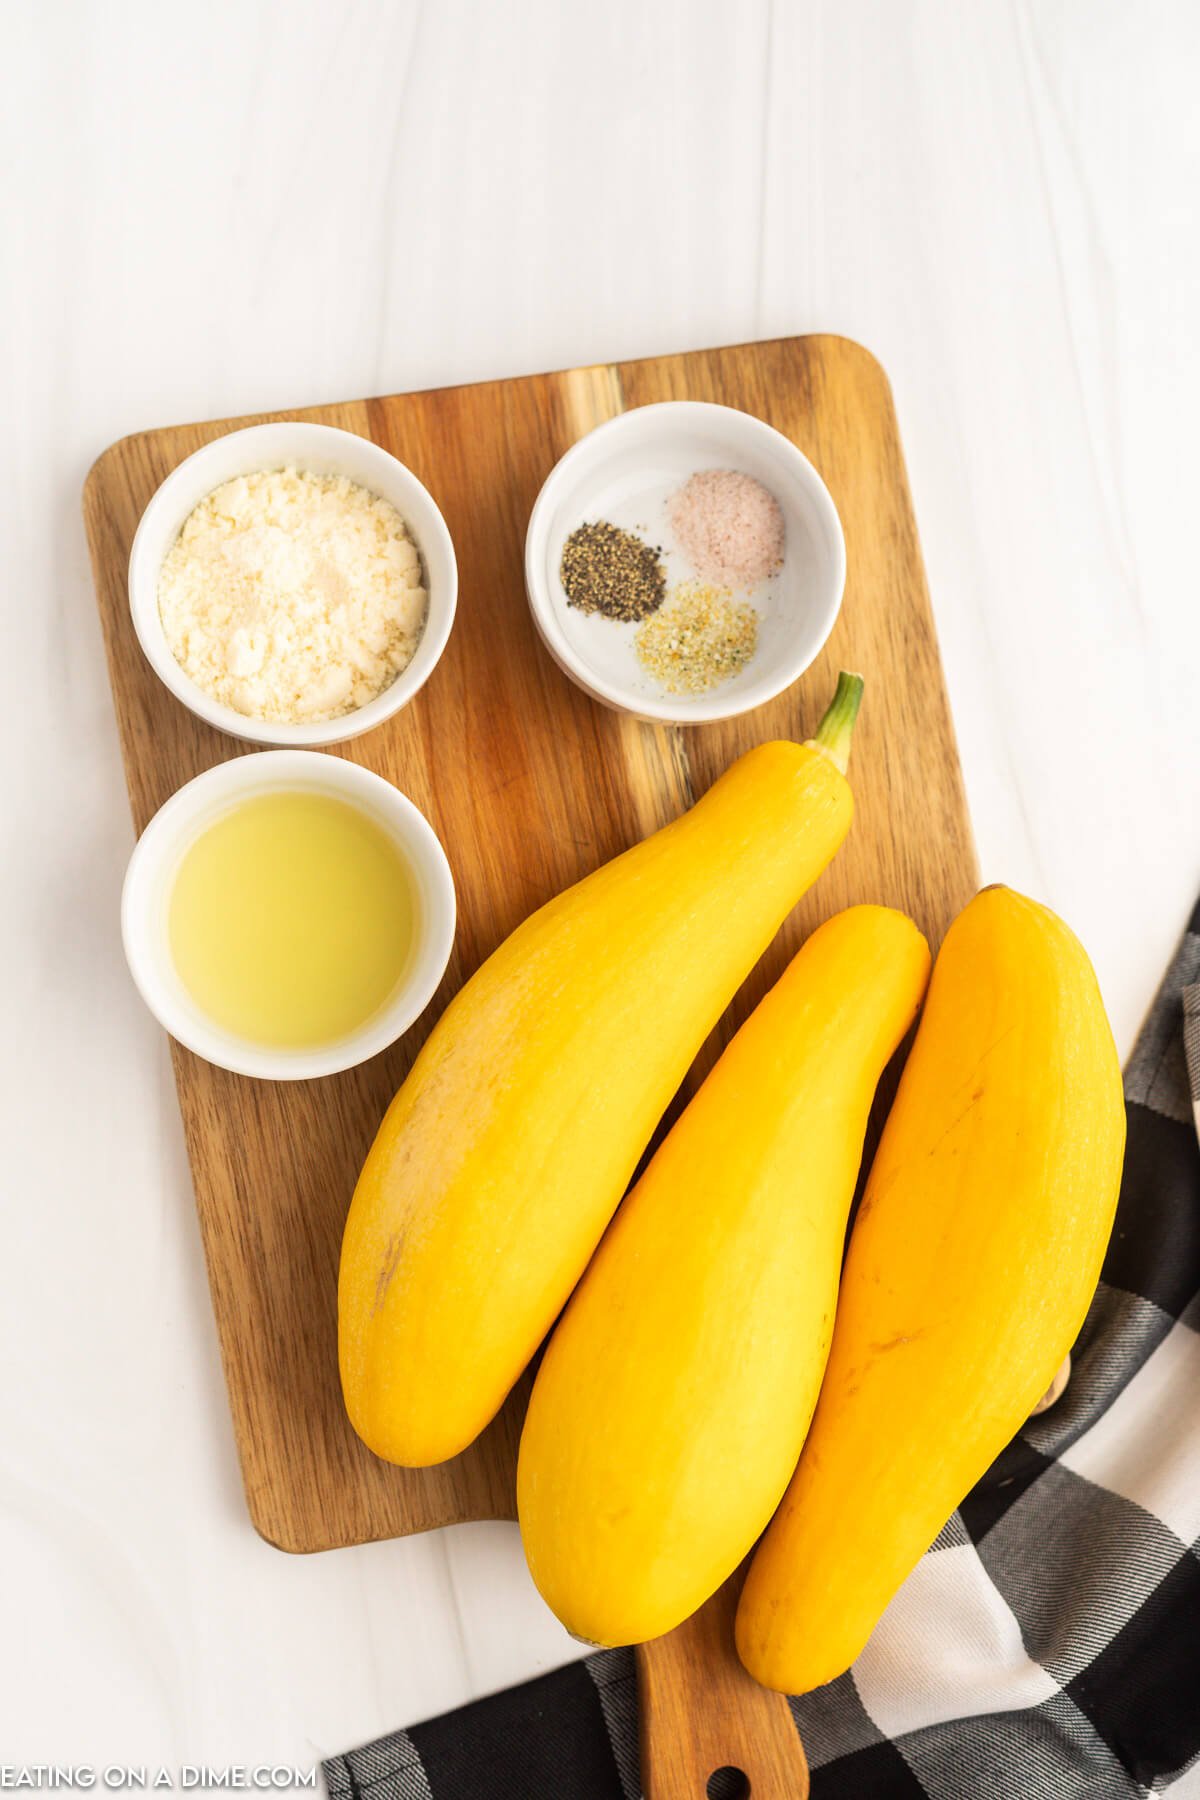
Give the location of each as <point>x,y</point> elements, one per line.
<point>293,597</point>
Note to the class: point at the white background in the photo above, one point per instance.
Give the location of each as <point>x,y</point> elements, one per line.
<point>217,208</point>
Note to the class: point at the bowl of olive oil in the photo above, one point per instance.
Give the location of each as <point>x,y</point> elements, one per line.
<point>288,914</point>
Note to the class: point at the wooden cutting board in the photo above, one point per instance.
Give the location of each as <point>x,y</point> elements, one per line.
<point>529,785</point>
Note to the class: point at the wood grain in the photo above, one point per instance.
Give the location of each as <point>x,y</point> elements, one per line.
<point>530,785</point>
<point>699,1711</point>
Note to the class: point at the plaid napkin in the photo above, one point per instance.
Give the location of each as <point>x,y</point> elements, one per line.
<point>1048,1645</point>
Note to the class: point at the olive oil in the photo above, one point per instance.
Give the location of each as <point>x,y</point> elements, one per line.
<point>291,919</point>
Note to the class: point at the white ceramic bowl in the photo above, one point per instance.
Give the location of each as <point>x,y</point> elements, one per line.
<point>624,471</point>
<point>177,824</point>
<point>324,451</point>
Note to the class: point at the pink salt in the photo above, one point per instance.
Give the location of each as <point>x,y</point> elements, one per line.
<point>729,527</point>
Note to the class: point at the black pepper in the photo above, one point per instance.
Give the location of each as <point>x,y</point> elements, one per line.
<point>609,571</point>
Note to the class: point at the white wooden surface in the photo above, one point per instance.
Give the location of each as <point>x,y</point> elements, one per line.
<point>244,204</point>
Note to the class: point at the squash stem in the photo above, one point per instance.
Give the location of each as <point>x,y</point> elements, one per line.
<point>837,727</point>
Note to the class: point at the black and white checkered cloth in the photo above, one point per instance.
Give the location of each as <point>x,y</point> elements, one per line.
<point>1048,1645</point>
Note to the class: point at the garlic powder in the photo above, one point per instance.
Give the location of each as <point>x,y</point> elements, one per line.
<point>293,597</point>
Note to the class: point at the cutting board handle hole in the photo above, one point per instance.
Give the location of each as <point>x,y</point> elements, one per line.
<point>728,1784</point>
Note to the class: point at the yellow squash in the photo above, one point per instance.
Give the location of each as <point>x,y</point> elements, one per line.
<point>972,1262</point>
<point>674,1396</point>
<point>506,1151</point>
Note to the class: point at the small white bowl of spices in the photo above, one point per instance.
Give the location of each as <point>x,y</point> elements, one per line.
<point>292,584</point>
<point>684,562</point>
